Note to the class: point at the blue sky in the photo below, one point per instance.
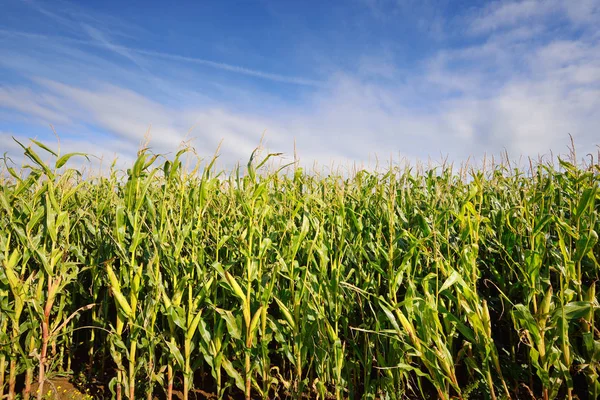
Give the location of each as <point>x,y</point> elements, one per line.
<point>346,81</point>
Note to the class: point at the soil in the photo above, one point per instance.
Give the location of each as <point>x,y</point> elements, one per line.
<point>63,389</point>
<point>60,389</point>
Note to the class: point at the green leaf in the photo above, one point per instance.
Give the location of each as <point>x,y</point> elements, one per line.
<point>50,220</point>
<point>254,324</point>
<point>523,316</point>
<point>63,159</point>
<point>235,287</point>
<point>232,373</point>
<point>116,290</point>
<point>587,197</point>
<point>585,244</point>
<point>234,329</point>
<point>177,316</point>
<point>32,155</point>
<point>194,324</point>
<point>43,146</point>
<point>120,225</point>
<point>286,314</point>
<point>204,332</point>
<point>454,276</point>
<point>391,317</point>
<point>462,328</point>
<point>176,354</point>
<point>574,310</point>
<point>541,224</point>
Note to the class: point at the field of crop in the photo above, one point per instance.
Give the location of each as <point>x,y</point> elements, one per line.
<point>161,282</point>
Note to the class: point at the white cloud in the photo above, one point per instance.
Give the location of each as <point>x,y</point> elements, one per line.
<point>26,101</point>
<point>583,11</point>
<point>510,13</point>
<point>501,14</point>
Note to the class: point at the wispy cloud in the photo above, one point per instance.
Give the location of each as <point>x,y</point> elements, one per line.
<point>28,102</point>
<point>128,52</point>
<point>508,14</point>
<point>72,16</point>
<point>101,40</point>
<point>232,68</point>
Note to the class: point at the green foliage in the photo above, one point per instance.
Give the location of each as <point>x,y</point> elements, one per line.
<point>403,284</point>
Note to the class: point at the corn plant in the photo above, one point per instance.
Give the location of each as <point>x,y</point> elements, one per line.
<point>271,281</point>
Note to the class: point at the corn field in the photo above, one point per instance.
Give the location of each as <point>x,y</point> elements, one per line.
<point>165,280</point>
